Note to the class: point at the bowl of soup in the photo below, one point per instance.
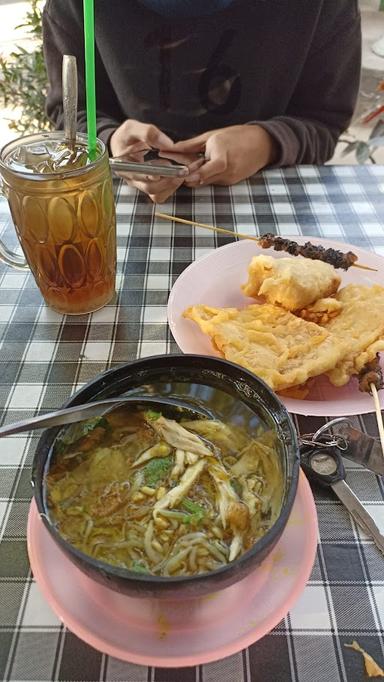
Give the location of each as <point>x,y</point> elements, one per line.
<point>170,502</point>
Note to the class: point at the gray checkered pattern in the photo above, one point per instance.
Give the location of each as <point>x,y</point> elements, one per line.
<point>45,357</point>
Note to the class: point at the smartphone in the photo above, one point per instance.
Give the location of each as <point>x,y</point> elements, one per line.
<point>155,162</point>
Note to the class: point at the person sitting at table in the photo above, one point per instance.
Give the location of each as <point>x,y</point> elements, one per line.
<point>250,83</point>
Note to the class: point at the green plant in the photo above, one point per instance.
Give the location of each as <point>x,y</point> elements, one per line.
<point>23,79</point>
<point>364,149</point>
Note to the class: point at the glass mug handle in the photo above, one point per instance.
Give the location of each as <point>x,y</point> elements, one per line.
<point>8,256</point>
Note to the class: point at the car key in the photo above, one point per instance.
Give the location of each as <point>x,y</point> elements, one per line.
<point>353,443</point>
<point>324,465</point>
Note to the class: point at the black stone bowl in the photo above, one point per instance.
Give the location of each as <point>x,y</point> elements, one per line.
<point>201,380</point>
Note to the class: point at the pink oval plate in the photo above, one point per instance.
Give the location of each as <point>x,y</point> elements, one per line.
<point>215,280</point>
<point>179,633</point>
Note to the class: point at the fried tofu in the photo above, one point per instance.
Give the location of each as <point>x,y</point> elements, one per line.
<point>276,345</point>
<point>294,283</point>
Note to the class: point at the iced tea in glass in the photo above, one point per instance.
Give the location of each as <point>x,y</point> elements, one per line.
<point>63,210</point>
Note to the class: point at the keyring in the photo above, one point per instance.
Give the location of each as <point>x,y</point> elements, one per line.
<point>339,441</point>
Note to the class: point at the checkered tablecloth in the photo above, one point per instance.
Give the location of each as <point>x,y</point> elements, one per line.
<point>45,357</point>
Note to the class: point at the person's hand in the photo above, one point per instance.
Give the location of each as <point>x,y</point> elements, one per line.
<point>231,154</point>
<point>134,137</point>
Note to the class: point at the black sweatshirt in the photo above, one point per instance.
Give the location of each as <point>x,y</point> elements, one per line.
<point>292,66</point>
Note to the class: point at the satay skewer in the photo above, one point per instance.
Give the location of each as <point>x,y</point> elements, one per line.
<point>371,381</point>
<point>308,250</point>
<point>220,230</point>
<point>379,416</point>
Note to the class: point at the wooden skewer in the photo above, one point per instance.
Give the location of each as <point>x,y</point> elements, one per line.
<point>379,416</point>
<point>222,230</point>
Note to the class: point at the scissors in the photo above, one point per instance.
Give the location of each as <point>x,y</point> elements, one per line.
<point>321,460</point>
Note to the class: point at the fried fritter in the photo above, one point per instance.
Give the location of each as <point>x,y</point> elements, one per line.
<point>293,283</point>
<point>361,323</point>
<point>321,311</point>
<point>277,346</point>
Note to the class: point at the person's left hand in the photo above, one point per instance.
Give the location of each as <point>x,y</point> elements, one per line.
<point>232,154</point>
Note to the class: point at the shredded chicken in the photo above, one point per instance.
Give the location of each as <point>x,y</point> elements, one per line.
<point>232,512</point>
<point>235,547</point>
<point>248,495</point>
<point>228,438</point>
<point>175,495</point>
<point>158,450</point>
<point>178,437</point>
<point>179,467</point>
<point>249,461</point>
<point>225,492</point>
<point>191,457</point>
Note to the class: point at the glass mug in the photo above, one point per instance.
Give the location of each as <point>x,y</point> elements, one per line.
<point>64,219</point>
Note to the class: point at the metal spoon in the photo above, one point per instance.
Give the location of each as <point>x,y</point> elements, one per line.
<point>71,415</point>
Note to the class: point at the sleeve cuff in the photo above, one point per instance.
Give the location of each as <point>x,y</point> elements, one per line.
<point>286,139</point>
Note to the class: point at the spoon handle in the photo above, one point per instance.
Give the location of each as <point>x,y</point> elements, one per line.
<point>70,97</point>
<point>70,415</point>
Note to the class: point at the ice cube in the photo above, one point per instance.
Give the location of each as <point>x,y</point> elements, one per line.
<point>52,156</point>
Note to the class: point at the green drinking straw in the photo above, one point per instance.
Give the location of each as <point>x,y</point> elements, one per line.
<point>90,80</point>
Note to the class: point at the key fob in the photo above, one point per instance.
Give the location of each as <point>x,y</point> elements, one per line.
<point>322,465</point>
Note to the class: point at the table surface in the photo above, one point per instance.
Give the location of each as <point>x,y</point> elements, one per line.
<point>46,357</point>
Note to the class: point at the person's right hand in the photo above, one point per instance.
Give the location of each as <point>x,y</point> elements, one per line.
<point>133,137</point>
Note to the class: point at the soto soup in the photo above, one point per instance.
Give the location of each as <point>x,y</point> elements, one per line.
<point>161,496</point>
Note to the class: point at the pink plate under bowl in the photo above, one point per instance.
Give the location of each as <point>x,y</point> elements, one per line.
<point>179,633</point>
<point>215,280</point>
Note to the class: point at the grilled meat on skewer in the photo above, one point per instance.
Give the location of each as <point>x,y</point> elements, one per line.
<point>315,252</point>
<point>371,373</point>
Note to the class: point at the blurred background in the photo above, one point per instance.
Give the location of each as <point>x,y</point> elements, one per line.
<point>23,80</point>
